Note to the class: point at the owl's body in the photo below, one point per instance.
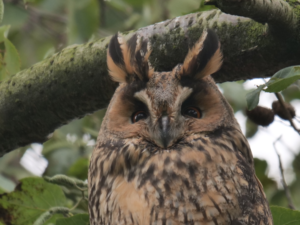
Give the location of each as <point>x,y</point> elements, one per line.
<point>170,150</point>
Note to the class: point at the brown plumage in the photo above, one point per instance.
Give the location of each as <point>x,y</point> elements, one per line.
<point>170,150</point>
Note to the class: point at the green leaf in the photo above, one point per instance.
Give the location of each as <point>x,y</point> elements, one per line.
<point>11,58</point>
<point>283,78</point>
<point>10,63</point>
<point>284,216</point>
<point>79,219</point>
<point>253,97</point>
<point>31,198</point>
<point>4,32</point>
<point>17,18</point>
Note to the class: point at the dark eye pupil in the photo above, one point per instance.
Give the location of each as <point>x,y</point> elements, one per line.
<point>192,112</point>
<point>138,116</point>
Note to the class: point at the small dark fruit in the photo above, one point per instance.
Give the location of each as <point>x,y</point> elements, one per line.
<point>279,110</point>
<point>261,116</point>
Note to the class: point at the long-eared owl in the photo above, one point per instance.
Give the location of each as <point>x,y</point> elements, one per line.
<point>170,150</point>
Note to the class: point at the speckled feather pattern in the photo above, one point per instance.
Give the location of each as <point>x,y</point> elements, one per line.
<point>170,168</point>
<point>206,179</point>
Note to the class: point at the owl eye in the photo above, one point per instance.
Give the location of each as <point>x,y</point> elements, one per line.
<point>192,112</point>
<point>139,115</point>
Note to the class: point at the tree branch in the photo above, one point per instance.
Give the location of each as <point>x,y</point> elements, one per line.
<point>278,14</point>
<point>75,81</point>
<point>286,112</point>
<point>285,187</point>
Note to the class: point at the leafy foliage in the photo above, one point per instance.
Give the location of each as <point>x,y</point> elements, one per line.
<point>37,29</point>
<point>253,97</point>
<point>10,61</point>
<point>278,82</point>
<point>80,219</point>
<point>283,78</point>
<point>284,216</point>
<point>31,198</point>
<point>35,201</point>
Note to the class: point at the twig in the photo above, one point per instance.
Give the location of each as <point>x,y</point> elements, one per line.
<point>39,19</point>
<point>49,16</point>
<point>82,198</point>
<point>281,101</point>
<point>263,129</point>
<point>286,189</point>
<point>283,123</point>
<point>76,205</point>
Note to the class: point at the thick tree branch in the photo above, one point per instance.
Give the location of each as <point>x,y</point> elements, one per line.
<point>75,82</point>
<point>278,14</point>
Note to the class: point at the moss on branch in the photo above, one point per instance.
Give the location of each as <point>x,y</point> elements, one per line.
<point>278,14</point>
<point>75,82</point>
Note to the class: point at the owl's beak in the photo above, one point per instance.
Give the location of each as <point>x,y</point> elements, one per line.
<point>164,125</point>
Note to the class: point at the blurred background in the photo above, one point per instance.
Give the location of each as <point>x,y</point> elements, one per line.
<point>39,28</point>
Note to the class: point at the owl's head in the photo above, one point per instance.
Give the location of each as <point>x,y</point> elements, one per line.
<point>162,108</point>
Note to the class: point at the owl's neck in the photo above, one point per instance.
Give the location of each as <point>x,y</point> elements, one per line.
<point>123,172</point>
<point>125,157</point>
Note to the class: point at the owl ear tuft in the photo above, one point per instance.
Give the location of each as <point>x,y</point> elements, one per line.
<point>142,66</point>
<point>118,59</point>
<point>128,60</point>
<point>204,58</point>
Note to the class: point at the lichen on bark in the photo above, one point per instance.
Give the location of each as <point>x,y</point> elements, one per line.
<point>68,85</point>
<point>75,82</point>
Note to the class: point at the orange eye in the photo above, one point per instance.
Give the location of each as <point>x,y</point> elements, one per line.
<point>139,115</point>
<point>192,112</point>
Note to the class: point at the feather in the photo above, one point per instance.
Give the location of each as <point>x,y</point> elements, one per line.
<point>204,58</point>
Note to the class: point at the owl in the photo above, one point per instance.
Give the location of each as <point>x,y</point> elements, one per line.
<point>170,151</point>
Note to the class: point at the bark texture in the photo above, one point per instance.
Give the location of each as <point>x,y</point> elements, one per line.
<point>75,82</point>
<point>277,13</point>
